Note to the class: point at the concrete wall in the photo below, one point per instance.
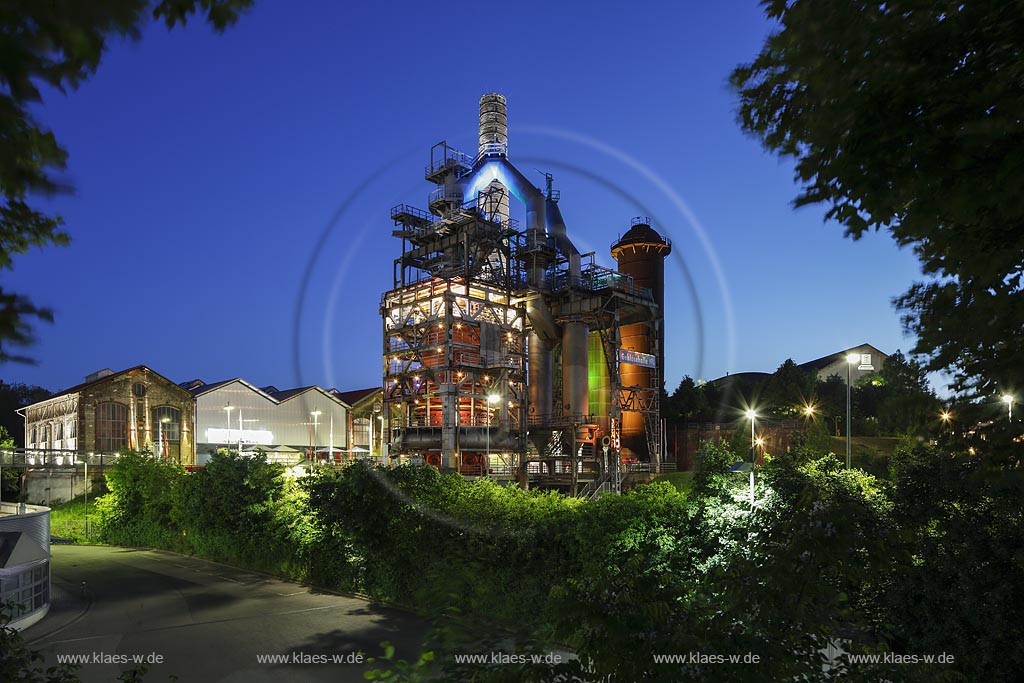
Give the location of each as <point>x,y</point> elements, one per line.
<point>51,488</point>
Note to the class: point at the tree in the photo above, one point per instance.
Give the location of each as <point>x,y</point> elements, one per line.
<point>830,400</point>
<point>59,44</point>
<point>905,116</point>
<point>788,389</point>
<point>12,397</point>
<point>689,402</point>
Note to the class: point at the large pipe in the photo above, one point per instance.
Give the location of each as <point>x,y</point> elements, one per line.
<point>557,230</point>
<point>539,384</point>
<point>574,369</point>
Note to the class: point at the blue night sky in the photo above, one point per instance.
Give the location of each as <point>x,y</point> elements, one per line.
<point>232,192</point>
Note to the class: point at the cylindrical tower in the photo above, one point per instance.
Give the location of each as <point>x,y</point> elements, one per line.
<point>641,254</point>
<point>494,132</point>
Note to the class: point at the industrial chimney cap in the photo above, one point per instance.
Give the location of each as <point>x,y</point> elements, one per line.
<point>641,234</point>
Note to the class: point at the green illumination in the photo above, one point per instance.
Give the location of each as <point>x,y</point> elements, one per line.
<point>597,375</point>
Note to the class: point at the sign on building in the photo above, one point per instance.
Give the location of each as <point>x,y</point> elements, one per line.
<point>644,360</point>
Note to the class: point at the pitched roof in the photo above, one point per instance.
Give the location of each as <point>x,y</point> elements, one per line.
<point>285,394</point>
<point>289,394</point>
<point>79,387</point>
<point>355,396</point>
<point>213,386</point>
<point>825,361</point>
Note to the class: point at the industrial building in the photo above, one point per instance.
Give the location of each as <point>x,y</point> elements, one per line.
<point>109,411</point>
<point>507,352</point>
<point>307,422</point>
<point>366,421</point>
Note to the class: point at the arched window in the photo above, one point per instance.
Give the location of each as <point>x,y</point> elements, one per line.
<point>111,427</point>
<point>166,424</point>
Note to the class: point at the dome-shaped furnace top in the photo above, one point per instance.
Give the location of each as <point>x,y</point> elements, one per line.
<point>641,234</point>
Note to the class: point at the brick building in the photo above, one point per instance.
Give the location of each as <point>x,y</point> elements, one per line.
<point>134,408</point>
<point>366,421</point>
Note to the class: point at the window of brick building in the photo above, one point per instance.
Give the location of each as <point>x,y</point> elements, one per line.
<point>361,432</point>
<point>111,427</point>
<point>167,424</point>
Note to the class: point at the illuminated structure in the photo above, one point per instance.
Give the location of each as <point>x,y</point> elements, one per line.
<point>287,425</point>
<point>502,343</point>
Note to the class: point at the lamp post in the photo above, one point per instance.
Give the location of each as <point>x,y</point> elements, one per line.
<point>752,415</point>
<point>160,436</point>
<point>313,434</point>
<point>227,424</point>
<point>850,360</point>
<point>87,496</point>
<point>1008,400</point>
<point>491,400</point>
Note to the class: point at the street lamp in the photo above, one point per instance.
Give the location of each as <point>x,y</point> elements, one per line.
<point>160,435</point>
<point>227,423</point>
<point>313,431</point>
<point>491,400</point>
<point>752,415</point>
<point>808,411</point>
<point>1008,400</point>
<point>850,360</point>
<point>87,496</point>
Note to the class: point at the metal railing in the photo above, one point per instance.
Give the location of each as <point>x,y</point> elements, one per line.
<point>443,194</point>
<point>490,149</point>
<point>451,158</point>
<point>29,458</point>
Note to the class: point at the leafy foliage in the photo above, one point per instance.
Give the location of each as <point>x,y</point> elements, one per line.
<point>904,116</point>
<point>137,511</point>
<point>922,563</point>
<point>58,44</point>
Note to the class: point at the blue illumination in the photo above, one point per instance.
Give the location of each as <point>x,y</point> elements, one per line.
<point>501,170</point>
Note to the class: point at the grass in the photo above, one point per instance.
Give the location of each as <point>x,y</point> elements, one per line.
<point>681,480</point>
<point>67,520</point>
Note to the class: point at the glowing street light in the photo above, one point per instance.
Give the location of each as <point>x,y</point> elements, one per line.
<point>313,431</point>
<point>850,360</point>
<point>808,411</point>
<point>227,423</point>
<point>1008,400</point>
<point>946,416</point>
<point>752,416</point>
<point>160,437</point>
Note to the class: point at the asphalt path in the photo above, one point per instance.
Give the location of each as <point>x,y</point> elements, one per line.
<point>207,622</point>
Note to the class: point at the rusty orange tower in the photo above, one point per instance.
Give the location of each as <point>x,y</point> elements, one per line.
<point>641,254</point>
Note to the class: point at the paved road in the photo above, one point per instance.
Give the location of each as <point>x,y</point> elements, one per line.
<point>207,621</point>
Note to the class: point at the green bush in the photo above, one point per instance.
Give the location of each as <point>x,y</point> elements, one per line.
<point>137,510</point>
